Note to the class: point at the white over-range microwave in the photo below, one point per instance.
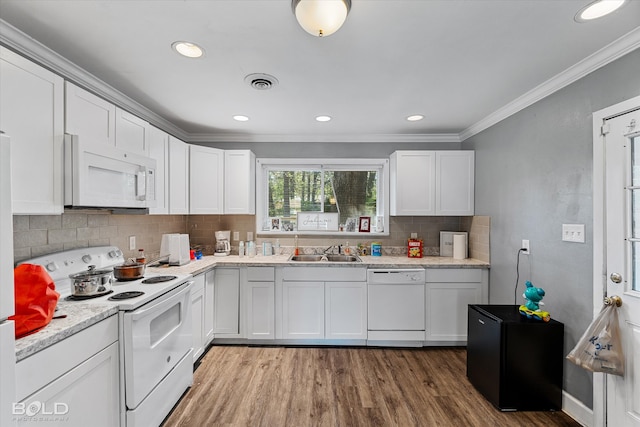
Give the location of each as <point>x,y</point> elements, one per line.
<point>102,176</point>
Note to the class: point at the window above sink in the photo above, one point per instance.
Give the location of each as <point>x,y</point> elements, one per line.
<point>333,196</point>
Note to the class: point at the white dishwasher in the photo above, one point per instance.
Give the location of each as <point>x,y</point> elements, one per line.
<point>396,307</point>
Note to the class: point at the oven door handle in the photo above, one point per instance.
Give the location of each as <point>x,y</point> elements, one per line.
<point>169,301</point>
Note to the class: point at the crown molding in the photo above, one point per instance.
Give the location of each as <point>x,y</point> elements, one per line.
<point>614,50</point>
<point>338,138</point>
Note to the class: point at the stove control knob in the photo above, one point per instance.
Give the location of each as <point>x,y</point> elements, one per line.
<point>51,266</point>
<point>86,258</point>
<point>114,253</point>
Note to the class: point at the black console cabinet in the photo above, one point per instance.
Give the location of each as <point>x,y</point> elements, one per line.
<point>515,362</point>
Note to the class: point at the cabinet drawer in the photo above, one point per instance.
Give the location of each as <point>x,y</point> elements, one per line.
<point>259,274</point>
<point>454,275</point>
<point>326,274</point>
<point>38,370</point>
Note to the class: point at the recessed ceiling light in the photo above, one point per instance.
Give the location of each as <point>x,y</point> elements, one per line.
<point>323,118</point>
<point>241,118</point>
<point>188,49</point>
<point>597,9</point>
<point>415,117</point>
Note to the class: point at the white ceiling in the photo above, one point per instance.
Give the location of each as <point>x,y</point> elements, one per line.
<point>460,63</point>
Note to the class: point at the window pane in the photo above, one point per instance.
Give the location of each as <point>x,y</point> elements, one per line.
<point>635,265</point>
<point>635,161</point>
<point>291,192</point>
<point>352,193</point>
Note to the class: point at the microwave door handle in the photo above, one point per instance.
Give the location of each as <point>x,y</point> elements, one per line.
<point>141,190</point>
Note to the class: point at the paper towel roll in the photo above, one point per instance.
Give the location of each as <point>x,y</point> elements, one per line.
<point>459,246</point>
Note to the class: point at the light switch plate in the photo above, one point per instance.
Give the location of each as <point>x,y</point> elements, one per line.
<point>573,233</point>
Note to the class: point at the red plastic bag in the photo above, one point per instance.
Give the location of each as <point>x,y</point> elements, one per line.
<point>36,299</point>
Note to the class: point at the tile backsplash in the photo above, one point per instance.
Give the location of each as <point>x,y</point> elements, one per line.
<point>36,235</point>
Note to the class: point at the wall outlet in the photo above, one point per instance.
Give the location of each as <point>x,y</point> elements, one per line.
<point>236,236</point>
<point>132,243</point>
<point>573,233</point>
<point>249,236</point>
<point>525,246</point>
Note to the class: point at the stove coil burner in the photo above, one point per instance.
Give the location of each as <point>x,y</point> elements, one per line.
<point>159,279</point>
<point>126,295</point>
<point>84,297</point>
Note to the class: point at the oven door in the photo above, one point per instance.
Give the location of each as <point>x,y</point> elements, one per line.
<point>106,177</point>
<point>156,337</point>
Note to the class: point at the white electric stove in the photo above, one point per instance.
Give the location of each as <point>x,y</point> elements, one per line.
<point>155,332</point>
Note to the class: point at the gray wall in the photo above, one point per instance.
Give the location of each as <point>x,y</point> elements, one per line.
<point>534,173</point>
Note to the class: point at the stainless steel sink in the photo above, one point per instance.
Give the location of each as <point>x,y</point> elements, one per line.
<point>325,258</point>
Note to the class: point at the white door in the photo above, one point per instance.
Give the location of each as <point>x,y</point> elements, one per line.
<point>622,258</point>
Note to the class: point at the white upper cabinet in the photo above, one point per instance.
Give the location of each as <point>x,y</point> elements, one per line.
<point>178,176</point>
<point>158,150</point>
<point>239,182</point>
<point>32,115</point>
<point>413,180</point>
<point>427,183</point>
<point>89,116</point>
<point>100,122</point>
<point>132,133</point>
<point>206,177</point>
<point>455,183</point>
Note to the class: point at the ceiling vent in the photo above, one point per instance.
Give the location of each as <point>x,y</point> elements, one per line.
<point>260,81</point>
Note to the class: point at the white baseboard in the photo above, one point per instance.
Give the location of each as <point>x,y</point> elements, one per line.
<point>577,410</point>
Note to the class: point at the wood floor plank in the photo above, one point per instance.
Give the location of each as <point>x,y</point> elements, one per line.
<point>309,386</point>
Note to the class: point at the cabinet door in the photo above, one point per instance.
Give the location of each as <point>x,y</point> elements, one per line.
<point>239,182</point>
<point>87,395</point>
<point>206,174</point>
<point>346,310</point>
<point>449,293</point>
<point>132,133</point>
<point>158,150</point>
<point>260,303</point>
<point>32,111</point>
<point>209,290</point>
<point>413,183</point>
<point>89,116</point>
<point>227,302</point>
<point>178,176</point>
<point>197,316</point>
<point>303,310</point>
<point>455,182</point>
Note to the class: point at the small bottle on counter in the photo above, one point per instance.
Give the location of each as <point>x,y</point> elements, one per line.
<point>276,247</point>
<point>141,258</point>
<point>241,249</point>
<point>251,249</point>
<point>347,249</point>
<point>296,251</point>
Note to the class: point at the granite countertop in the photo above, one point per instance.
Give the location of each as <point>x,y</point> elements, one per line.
<point>196,267</point>
<point>79,316</point>
<point>82,315</point>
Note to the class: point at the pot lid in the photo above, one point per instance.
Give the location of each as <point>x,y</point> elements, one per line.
<point>91,272</point>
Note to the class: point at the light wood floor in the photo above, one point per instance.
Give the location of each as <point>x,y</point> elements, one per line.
<point>304,386</point>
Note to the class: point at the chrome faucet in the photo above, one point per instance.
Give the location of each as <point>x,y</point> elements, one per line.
<point>331,249</point>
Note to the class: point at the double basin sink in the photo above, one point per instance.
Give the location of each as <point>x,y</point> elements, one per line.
<point>325,258</point>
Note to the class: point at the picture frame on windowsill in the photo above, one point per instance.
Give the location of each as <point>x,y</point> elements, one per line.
<point>364,224</point>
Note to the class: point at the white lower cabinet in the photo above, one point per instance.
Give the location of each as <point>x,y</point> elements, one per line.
<point>448,294</point>
<point>75,382</point>
<point>345,310</point>
<point>303,310</point>
<point>259,296</point>
<point>226,300</point>
<point>209,290</point>
<point>198,308</point>
<point>332,309</point>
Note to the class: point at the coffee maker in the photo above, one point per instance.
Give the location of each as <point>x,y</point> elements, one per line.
<point>223,247</point>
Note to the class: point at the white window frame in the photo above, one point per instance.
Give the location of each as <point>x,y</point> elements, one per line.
<point>262,190</point>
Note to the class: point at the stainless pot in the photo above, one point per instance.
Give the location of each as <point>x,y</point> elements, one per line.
<point>91,282</point>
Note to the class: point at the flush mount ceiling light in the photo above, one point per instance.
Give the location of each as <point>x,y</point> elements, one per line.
<point>321,17</point>
<point>188,49</point>
<point>597,9</point>
<point>415,118</point>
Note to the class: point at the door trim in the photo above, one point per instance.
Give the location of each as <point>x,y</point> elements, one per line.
<point>599,229</point>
